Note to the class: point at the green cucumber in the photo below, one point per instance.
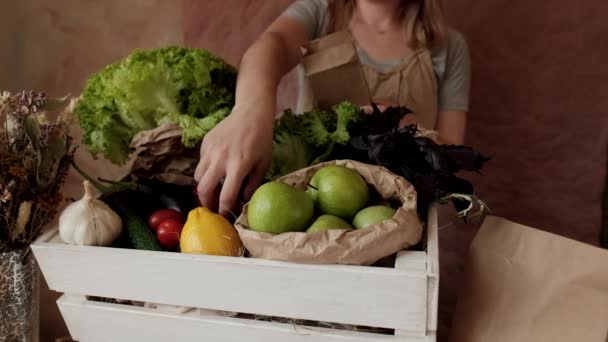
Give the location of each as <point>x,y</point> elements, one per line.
<point>139,233</point>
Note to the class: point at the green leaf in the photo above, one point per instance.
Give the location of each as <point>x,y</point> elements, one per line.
<point>316,133</point>
<point>147,87</point>
<point>143,92</point>
<point>32,129</point>
<point>195,129</point>
<point>289,153</point>
<point>54,104</point>
<point>49,158</point>
<point>347,114</point>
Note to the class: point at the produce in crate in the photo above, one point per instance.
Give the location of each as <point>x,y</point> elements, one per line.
<point>89,221</point>
<point>345,132</point>
<point>341,246</point>
<point>276,207</point>
<point>305,139</point>
<point>167,224</point>
<point>336,191</point>
<point>339,191</point>
<point>141,202</point>
<point>208,233</point>
<point>326,222</point>
<point>189,87</point>
<point>159,216</point>
<point>169,232</point>
<point>138,231</point>
<point>408,287</point>
<point>372,215</point>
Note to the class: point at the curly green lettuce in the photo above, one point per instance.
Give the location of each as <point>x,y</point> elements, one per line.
<point>194,129</point>
<point>189,87</point>
<point>304,139</point>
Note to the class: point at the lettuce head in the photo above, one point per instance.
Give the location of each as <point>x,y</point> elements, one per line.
<point>189,87</point>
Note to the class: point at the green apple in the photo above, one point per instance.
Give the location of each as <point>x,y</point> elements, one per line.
<point>372,215</point>
<point>276,207</point>
<point>338,190</point>
<point>327,222</point>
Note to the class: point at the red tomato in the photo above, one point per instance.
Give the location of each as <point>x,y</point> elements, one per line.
<point>168,233</point>
<point>159,216</point>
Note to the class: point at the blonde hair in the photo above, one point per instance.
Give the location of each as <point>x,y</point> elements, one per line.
<point>424,18</point>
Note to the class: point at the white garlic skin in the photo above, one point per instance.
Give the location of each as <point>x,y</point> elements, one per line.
<point>89,222</point>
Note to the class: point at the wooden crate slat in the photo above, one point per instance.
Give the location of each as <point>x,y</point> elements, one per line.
<point>101,322</point>
<point>369,296</point>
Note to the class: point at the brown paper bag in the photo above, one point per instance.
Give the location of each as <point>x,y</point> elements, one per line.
<point>524,284</point>
<point>334,72</point>
<point>350,247</point>
<point>159,154</point>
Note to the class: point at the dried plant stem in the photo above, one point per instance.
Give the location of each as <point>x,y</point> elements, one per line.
<point>32,162</point>
<point>8,138</point>
<point>466,213</point>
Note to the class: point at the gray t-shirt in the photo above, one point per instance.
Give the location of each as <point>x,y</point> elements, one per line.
<point>451,62</point>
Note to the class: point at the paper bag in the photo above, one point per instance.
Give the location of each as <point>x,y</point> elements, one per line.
<point>334,72</point>
<point>523,284</point>
<point>159,154</point>
<point>348,247</point>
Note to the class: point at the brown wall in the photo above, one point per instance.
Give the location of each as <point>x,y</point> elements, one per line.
<point>537,100</point>
<point>539,109</point>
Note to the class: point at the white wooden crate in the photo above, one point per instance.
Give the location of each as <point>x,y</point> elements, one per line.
<point>403,298</point>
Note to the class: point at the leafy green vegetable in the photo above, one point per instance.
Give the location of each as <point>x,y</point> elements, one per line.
<point>189,87</point>
<point>347,114</point>
<point>431,168</point>
<point>194,129</point>
<point>346,133</point>
<point>289,153</point>
<point>304,139</point>
<point>314,130</point>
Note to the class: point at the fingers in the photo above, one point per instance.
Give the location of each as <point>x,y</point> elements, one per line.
<point>370,109</point>
<point>382,108</point>
<point>232,186</point>
<point>200,169</point>
<point>255,179</point>
<point>208,184</point>
<point>202,163</point>
<point>367,109</point>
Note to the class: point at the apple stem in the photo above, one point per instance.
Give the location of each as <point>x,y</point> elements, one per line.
<point>310,186</point>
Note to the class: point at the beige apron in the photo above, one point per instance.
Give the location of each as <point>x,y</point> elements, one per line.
<point>412,83</point>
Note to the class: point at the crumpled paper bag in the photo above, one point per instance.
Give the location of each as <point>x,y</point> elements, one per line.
<point>159,154</point>
<point>349,247</point>
<point>523,284</point>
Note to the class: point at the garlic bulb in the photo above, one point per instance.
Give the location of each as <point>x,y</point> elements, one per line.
<point>89,221</point>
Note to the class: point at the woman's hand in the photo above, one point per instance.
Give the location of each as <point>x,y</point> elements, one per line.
<point>240,146</point>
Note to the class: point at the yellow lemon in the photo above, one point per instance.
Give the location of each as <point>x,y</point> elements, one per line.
<point>208,233</point>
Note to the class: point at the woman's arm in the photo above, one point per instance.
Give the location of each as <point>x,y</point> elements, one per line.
<point>240,146</point>
<point>454,89</point>
<point>263,65</point>
<point>452,126</point>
